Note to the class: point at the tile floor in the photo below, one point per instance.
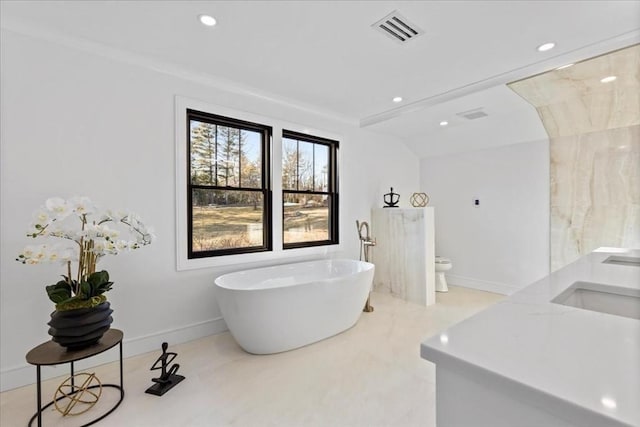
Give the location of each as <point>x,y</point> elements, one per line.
<point>370,375</point>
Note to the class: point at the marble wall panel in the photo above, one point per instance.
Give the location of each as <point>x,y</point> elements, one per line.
<point>594,131</point>
<point>595,193</point>
<point>592,111</point>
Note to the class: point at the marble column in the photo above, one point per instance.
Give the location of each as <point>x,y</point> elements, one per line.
<point>405,253</point>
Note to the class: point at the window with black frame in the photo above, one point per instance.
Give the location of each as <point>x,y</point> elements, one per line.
<point>229,208</point>
<point>310,190</point>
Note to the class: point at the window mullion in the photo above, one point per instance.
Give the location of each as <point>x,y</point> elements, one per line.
<point>313,168</point>
<point>215,164</point>
<point>297,165</point>
<point>239,158</point>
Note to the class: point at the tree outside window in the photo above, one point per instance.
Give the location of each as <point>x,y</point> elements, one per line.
<point>230,198</point>
<point>310,197</point>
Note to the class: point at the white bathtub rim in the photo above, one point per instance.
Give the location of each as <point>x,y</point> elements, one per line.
<point>225,277</point>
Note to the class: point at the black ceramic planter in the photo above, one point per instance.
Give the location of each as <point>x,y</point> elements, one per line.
<point>80,328</point>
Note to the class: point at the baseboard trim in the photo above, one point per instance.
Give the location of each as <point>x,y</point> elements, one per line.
<point>22,375</point>
<point>482,285</point>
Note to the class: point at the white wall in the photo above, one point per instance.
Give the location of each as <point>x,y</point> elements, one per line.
<point>76,123</point>
<point>503,244</point>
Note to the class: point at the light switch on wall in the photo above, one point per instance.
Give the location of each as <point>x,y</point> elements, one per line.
<point>476,203</point>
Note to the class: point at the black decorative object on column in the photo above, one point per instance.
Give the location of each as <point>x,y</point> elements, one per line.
<point>168,378</point>
<point>391,199</point>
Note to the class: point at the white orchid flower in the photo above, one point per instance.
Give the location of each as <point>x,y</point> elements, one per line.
<point>59,207</point>
<point>41,220</point>
<point>28,251</point>
<point>40,253</point>
<point>148,236</point>
<point>54,220</point>
<point>82,205</point>
<point>67,254</point>
<point>93,231</point>
<point>111,247</point>
<point>109,232</point>
<point>57,230</point>
<point>122,245</point>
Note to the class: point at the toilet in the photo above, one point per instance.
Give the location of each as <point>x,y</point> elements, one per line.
<point>442,265</point>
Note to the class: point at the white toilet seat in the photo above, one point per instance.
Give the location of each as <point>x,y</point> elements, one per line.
<point>442,265</point>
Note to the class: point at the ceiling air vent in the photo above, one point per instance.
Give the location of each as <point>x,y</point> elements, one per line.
<point>397,27</point>
<point>473,114</point>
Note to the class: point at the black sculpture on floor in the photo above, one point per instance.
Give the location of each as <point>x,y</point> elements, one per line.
<point>168,378</point>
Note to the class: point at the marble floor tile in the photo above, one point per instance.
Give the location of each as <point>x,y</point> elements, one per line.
<point>370,375</point>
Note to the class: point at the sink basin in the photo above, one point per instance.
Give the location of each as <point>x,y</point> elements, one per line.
<point>622,260</point>
<point>602,298</point>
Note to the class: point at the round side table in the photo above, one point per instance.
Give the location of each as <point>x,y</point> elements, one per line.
<point>51,353</point>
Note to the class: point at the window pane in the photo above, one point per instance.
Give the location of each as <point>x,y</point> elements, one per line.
<point>305,165</point>
<point>225,219</point>
<point>289,163</point>
<point>321,168</point>
<point>203,153</point>
<point>228,157</point>
<point>251,159</point>
<point>309,219</point>
<point>306,218</point>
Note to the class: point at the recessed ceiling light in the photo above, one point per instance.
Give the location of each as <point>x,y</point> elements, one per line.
<point>545,47</point>
<point>207,20</point>
<point>608,79</point>
<point>564,66</point>
<point>397,99</point>
<point>608,402</point>
<point>444,123</point>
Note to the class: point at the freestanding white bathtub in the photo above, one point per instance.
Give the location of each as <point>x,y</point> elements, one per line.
<point>279,308</point>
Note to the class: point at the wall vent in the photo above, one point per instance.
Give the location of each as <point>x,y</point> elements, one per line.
<point>476,113</point>
<point>397,27</point>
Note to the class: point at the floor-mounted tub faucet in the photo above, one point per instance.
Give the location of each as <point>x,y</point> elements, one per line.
<point>366,242</point>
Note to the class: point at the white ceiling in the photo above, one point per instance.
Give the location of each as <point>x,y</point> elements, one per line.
<point>325,54</point>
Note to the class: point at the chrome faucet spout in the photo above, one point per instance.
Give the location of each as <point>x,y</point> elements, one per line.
<point>361,225</point>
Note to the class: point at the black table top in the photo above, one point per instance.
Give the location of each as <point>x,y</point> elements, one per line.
<point>51,353</point>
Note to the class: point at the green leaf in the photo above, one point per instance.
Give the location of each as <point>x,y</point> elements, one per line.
<point>96,284</point>
<point>98,278</point>
<point>59,292</point>
<point>104,287</point>
<point>86,291</point>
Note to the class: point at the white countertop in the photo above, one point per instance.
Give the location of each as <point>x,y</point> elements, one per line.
<point>581,362</point>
